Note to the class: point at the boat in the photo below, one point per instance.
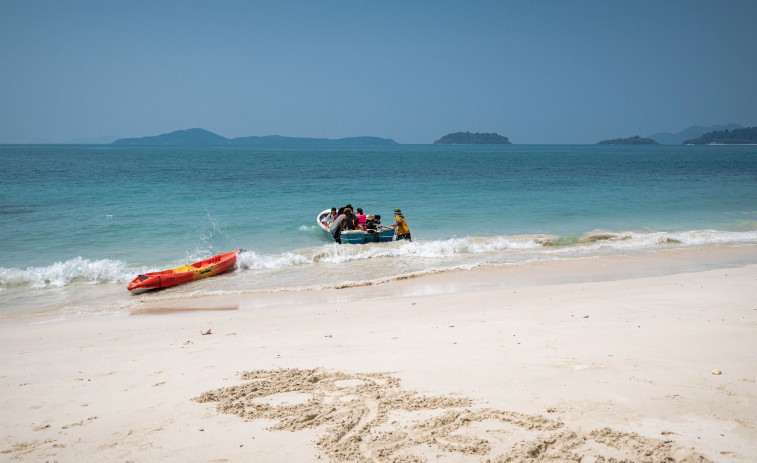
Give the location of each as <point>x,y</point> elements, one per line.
<point>202,269</point>
<point>373,233</point>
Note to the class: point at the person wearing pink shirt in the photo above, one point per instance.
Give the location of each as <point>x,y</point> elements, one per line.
<point>361,218</point>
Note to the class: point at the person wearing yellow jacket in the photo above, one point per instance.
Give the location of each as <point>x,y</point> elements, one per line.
<point>403,231</point>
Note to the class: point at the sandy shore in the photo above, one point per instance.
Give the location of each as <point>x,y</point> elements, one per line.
<point>649,358</point>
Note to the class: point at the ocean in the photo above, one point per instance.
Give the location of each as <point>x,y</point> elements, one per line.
<point>78,222</point>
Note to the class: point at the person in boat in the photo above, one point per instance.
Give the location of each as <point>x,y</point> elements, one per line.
<point>330,218</point>
<point>361,218</point>
<point>349,211</point>
<point>352,210</point>
<point>403,231</point>
<point>353,223</point>
<point>339,224</point>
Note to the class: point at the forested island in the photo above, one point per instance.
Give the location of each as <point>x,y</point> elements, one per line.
<point>695,131</point>
<point>635,140</point>
<point>202,137</point>
<point>745,136</point>
<point>467,138</point>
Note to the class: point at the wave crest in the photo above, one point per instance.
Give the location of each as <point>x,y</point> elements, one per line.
<point>59,274</point>
<point>253,260</point>
<point>424,255</point>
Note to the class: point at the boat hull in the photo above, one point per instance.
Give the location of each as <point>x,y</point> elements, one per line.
<point>198,270</point>
<point>364,237</point>
<point>383,235</point>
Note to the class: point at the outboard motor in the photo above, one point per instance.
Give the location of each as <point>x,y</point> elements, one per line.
<point>372,222</point>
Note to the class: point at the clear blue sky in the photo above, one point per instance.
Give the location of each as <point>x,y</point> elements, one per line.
<point>535,71</point>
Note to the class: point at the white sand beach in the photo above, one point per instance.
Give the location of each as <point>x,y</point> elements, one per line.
<point>645,358</point>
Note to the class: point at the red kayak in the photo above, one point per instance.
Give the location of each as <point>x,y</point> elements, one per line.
<point>204,268</point>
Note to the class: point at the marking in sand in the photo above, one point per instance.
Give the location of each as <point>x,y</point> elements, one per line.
<point>369,417</point>
<point>170,310</point>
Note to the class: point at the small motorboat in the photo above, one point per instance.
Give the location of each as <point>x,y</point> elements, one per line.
<point>373,233</point>
<point>202,269</point>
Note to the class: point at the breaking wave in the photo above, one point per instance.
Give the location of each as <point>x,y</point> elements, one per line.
<point>59,274</point>
<point>430,254</point>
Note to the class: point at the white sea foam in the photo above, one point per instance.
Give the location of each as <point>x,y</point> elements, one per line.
<point>59,274</point>
<point>634,241</point>
<point>416,256</point>
<point>433,249</point>
<point>253,260</point>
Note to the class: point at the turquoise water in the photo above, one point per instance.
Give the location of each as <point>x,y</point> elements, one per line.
<point>78,222</point>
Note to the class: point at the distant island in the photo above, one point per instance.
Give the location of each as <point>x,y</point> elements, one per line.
<point>635,140</point>
<point>695,131</point>
<point>467,138</point>
<point>745,136</point>
<point>202,137</point>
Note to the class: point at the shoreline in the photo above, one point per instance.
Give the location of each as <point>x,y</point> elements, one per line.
<point>81,286</point>
<point>611,356</point>
<point>523,274</point>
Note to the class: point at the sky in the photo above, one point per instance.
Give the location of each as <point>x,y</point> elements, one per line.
<point>534,71</point>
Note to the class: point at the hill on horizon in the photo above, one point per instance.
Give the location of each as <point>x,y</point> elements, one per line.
<point>467,138</point>
<point>743,136</point>
<point>202,137</point>
<point>695,131</point>
<point>635,140</point>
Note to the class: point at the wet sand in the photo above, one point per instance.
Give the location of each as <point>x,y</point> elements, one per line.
<point>642,358</point>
